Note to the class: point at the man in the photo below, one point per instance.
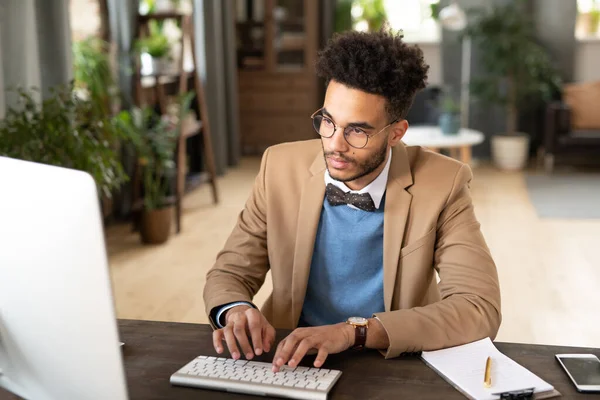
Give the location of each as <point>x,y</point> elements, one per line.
<point>354,227</point>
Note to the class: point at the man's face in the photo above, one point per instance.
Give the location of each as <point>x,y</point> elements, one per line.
<point>353,108</point>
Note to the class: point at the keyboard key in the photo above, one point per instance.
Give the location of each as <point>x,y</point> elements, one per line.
<point>312,385</point>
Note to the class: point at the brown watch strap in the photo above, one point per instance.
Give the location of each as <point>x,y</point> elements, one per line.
<point>360,337</point>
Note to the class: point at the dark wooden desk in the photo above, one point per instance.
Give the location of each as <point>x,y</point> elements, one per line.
<point>155,350</point>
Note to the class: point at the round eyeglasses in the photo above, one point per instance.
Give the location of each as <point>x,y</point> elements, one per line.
<point>355,136</point>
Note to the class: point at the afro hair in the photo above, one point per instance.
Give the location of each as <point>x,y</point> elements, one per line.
<point>379,63</point>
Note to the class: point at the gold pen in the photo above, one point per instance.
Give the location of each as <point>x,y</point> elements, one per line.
<point>487,380</point>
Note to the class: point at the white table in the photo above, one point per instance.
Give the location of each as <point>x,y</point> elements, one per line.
<point>432,137</point>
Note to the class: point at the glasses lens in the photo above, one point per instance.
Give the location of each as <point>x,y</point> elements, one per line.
<point>355,137</point>
<point>323,125</point>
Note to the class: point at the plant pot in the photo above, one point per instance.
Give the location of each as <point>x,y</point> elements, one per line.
<point>449,123</point>
<point>510,152</point>
<point>155,227</point>
<point>160,65</point>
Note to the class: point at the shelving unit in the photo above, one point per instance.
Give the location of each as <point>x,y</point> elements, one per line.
<point>277,44</point>
<point>151,90</point>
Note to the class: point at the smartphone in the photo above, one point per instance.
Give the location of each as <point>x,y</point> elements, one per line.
<point>583,370</point>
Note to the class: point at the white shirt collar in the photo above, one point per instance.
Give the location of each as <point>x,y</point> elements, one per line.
<point>376,188</point>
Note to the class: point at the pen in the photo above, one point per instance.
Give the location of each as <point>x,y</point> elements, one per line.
<point>487,380</point>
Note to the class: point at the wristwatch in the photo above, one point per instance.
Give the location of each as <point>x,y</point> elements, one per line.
<point>360,325</point>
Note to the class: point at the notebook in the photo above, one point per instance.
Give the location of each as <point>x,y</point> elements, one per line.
<point>464,368</point>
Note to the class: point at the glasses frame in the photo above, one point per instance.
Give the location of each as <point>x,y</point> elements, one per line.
<point>336,126</point>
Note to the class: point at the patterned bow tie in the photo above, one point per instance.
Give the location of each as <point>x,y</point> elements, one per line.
<point>336,196</point>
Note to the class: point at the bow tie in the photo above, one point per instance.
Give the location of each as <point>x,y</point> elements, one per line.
<point>336,196</point>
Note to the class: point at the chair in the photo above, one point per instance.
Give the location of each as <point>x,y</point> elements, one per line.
<point>424,110</point>
<point>562,140</point>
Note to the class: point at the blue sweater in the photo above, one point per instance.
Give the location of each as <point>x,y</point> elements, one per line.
<point>346,273</point>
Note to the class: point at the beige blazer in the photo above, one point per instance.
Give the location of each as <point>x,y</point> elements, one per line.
<point>429,226</point>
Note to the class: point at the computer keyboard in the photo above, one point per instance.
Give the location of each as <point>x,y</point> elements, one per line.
<point>257,378</point>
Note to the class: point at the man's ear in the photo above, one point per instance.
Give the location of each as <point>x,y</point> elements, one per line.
<point>398,132</point>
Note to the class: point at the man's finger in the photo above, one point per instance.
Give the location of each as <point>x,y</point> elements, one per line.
<point>277,353</point>
<point>305,345</point>
<point>321,357</point>
<point>239,330</point>
<point>268,336</point>
<point>217,339</point>
<point>287,349</point>
<point>231,343</point>
<point>254,326</point>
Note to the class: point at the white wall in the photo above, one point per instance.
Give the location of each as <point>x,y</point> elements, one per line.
<point>587,60</point>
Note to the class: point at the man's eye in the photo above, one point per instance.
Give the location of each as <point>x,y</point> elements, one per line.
<point>327,121</point>
<point>355,131</point>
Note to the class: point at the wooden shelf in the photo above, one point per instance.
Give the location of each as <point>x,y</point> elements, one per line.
<point>161,16</point>
<point>278,88</point>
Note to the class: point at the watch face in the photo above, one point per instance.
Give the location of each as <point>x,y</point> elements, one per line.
<point>357,320</point>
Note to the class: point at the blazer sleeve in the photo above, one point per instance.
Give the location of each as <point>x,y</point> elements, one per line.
<point>242,264</point>
<point>469,308</point>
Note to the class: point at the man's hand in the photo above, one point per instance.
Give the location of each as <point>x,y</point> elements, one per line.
<point>328,339</point>
<point>244,323</point>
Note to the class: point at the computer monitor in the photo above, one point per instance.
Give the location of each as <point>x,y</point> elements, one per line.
<point>58,331</point>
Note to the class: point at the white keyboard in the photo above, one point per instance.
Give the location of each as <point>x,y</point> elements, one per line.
<point>257,378</point>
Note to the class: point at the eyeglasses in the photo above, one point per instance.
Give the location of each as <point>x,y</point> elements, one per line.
<point>355,136</point>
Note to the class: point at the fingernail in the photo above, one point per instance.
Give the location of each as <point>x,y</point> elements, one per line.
<point>291,362</point>
<point>279,362</point>
<point>258,352</point>
<point>249,356</point>
<point>235,355</point>
<point>219,350</point>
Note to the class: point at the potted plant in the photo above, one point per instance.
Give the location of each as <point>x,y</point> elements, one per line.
<point>449,119</point>
<point>518,74</point>
<point>64,130</point>
<point>93,73</point>
<point>158,48</point>
<point>154,140</point>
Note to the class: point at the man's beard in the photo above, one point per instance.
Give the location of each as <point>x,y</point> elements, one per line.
<point>364,168</point>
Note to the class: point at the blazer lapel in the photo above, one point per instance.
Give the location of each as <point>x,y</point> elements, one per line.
<point>397,205</point>
<point>311,203</point>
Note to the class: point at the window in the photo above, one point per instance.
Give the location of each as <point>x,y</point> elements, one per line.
<point>415,18</point>
<point>84,19</point>
<point>588,19</point>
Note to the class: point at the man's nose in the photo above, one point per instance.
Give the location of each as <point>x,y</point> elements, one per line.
<point>337,142</point>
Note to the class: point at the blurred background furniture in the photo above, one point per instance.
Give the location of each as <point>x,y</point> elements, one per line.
<point>277,43</point>
<point>572,126</point>
<point>152,88</point>
<point>425,108</point>
<point>431,137</point>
